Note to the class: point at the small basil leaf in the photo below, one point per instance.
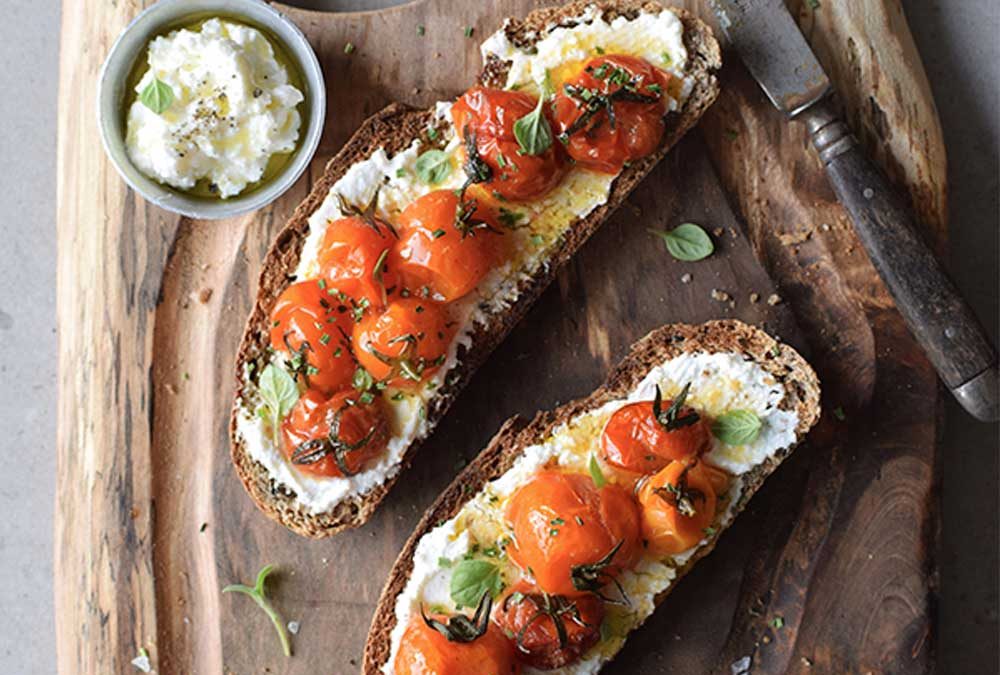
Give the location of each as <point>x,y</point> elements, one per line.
<point>688,242</point>
<point>471,579</point>
<point>278,393</point>
<point>532,131</point>
<point>278,390</point>
<point>157,96</point>
<point>433,166</point>
<point>737,427</point>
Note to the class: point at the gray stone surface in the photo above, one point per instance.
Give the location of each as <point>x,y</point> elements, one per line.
<point>958,41</point>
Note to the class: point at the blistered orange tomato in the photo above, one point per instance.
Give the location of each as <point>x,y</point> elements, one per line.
<point>309,324</point>
<point>635,91</point>
<point>634,440</point>
<point>489,115</point>
<point>425,651</point>
<point>562,521</point>
<point>529,618</point>
<point>446,245</point>
<point>404,343</point>
<point>678,504</point>
<point>354,259</point>
<point>333,436</point>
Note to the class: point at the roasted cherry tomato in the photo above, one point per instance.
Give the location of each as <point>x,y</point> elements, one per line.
<point>636,441</point>
<point>405,343</point>
<point>425,651</point>
<point>334,436</point>
<point>354,259</point>
<point>678,504</point>
<point>446,244</point>
<point>571,536</point>
<point>633,90</point>
<point>488,117</point>
<point>549,631</point>
<point>310,324</point>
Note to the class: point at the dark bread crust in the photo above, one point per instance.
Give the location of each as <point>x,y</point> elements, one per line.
<point>730,336</point>
<point>394,128</point>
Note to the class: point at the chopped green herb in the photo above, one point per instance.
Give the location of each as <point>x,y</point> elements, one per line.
<point>839,413</point>
<point>777,622</point>
<point>438,233</point>
<point>421,30</point>
<point>432,133</point>
<point>468,31</point>
<point>349,48</point>
<point>400,172</point>
<point>509,219</point>
<point>259,596</point>
<point>444,562</point>
<point>537,239</point>
<point>595,472</point>
<point>324,339</point>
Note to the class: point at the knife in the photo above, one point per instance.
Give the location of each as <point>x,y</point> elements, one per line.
<point>777,55</point>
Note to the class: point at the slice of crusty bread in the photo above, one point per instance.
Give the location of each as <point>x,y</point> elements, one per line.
<point>393,129</point>
<point>729,336</point>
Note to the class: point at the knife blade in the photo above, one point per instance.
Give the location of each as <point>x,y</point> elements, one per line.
<point>774,51</point>
<point>777,55</point>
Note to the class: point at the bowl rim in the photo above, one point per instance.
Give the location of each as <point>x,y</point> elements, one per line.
<point>127,47</point>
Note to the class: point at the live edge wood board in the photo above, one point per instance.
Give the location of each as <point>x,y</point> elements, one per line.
<point>152,522</point>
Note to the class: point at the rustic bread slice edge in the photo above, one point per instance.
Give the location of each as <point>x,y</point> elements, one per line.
<point>727,336</point>
<point>393,129</point>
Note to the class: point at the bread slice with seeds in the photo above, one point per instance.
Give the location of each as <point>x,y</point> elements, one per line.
<point>801,397</point>
<point>393,130</point>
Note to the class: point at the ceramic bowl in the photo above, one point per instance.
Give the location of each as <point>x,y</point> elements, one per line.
<point>131,46</point>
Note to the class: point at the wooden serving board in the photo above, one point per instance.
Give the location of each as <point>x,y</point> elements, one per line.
<point>152,522</point>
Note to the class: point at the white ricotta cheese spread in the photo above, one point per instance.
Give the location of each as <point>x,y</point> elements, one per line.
<point>719,382</point>
<point>232,107</point>
<point>545,221</point>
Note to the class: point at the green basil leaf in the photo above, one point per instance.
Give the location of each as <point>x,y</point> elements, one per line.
<point>157,96</point>
<point>433,166</point>
<point>471,579</point>
<point>737,427</point>
<point>595,472</point>
<point>278,392</point>
<point>532,131</point>
<point>688,242</point>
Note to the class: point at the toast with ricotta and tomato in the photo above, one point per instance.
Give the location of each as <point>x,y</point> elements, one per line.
<point>432,232</point>
<point>564,534</point>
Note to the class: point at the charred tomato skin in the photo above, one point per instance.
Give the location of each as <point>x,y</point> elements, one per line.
<point>359,423</point>
<point>520,613</point>
<point>425,651</point>
<point>638,126</point>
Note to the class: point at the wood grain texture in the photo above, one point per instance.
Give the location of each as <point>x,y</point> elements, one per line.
<point>839,543</point>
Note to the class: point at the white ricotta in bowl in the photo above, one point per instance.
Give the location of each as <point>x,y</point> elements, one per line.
<point>231,108</point>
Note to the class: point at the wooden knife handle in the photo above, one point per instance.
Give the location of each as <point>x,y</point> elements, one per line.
<point>939,318</point>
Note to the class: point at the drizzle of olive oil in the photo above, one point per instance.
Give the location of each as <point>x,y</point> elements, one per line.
<point>277,161</point>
